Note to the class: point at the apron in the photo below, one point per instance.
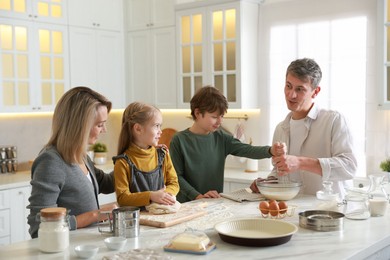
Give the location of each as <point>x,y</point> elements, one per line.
<point>145,181</point>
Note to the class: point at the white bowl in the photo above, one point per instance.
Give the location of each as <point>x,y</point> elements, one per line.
<point>86,251</point>
<point>274,190</point>
<point>115,243</point>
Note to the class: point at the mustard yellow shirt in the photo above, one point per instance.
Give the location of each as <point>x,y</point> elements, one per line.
<point>145,160</point>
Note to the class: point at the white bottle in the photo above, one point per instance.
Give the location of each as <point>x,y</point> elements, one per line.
<point>53,233</point>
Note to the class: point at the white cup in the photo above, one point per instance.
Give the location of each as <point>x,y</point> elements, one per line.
<point>252,165</point>
<point>378,206</point>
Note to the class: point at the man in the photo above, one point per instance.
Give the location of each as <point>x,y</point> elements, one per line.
<point>318,141</point>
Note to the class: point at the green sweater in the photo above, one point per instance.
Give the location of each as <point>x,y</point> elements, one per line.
<point>199,160</point>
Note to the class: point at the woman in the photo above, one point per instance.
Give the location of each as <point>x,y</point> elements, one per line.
<point>63,175</point>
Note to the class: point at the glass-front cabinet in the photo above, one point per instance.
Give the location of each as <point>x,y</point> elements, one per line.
<point>217,45</point>
<point>33,55</point>
<point>384,53</point>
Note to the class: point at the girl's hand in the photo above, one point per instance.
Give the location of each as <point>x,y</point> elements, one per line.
<point>162,197</point>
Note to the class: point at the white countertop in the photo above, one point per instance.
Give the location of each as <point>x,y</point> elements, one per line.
<point>14,180</point>
<point>359,239</point>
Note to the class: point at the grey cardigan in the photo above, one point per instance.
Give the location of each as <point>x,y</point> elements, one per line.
<point>56,183</point>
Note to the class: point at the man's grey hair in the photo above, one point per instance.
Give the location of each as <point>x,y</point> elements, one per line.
<point>306,70</point>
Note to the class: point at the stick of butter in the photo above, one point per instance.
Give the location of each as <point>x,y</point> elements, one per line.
<point>190,241</point>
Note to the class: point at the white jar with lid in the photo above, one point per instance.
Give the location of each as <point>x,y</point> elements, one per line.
<point>328,200</point>
<point>53,233</point>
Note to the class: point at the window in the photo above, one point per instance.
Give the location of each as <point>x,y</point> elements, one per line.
<point>339,47</point>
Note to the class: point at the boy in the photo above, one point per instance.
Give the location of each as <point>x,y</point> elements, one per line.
<point>199,152</point>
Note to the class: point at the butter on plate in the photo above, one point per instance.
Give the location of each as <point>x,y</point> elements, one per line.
<point>193,242</point>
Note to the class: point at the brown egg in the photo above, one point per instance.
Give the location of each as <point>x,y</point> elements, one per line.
<point>283,207</point>
<point>264,207</point>
<point>274,208</point>
<point>272,201</point>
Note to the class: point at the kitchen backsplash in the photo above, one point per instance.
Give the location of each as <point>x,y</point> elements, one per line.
<point>30,132</point>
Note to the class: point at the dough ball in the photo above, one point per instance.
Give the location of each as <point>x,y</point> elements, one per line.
<point>158,209</point>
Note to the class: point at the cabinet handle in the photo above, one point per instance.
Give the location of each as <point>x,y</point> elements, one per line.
<point>151,24</point>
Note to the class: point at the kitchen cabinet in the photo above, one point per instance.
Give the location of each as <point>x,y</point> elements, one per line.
<point>19,202</point>
<point>96,47</point>
<point>13,214</point>
<point>34,62</point>
<point>102,14</point>
<point>384,53</point>
<point>151,65</point>
<point>217,45</point>
<point>5,229</point>
<point>48,11</point>
<point>151,51</point>
<point>145,14</point>
<point>97,61</point>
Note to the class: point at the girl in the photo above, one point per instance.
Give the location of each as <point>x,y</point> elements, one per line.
<point>143,173</point>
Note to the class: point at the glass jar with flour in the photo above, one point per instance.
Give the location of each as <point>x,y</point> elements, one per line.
<point>53,233</point>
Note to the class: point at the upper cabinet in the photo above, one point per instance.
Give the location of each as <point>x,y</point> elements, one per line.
<point>96,46</point>
<point>33,55</point>
<point>384,53</point>
<point>217,45</point>
<point>102,14</point>
<point>144,14</point>
<point>48,11</point>
<point>151,60</point>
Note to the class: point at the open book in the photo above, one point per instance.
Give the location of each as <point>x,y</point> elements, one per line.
<point>244,194</point>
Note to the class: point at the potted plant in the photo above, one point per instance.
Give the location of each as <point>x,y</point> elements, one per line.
<point>385,165</point>
<point>100,153</point>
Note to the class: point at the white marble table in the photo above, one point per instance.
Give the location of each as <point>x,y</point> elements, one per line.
<point>359,239</point>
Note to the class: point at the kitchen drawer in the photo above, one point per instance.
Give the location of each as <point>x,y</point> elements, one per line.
<point>5,223</point>
<point>4,199</point>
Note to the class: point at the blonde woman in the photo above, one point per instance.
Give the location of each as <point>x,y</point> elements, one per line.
<point>62,174</point>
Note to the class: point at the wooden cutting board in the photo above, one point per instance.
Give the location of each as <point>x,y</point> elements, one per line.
<point>166,220</point>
